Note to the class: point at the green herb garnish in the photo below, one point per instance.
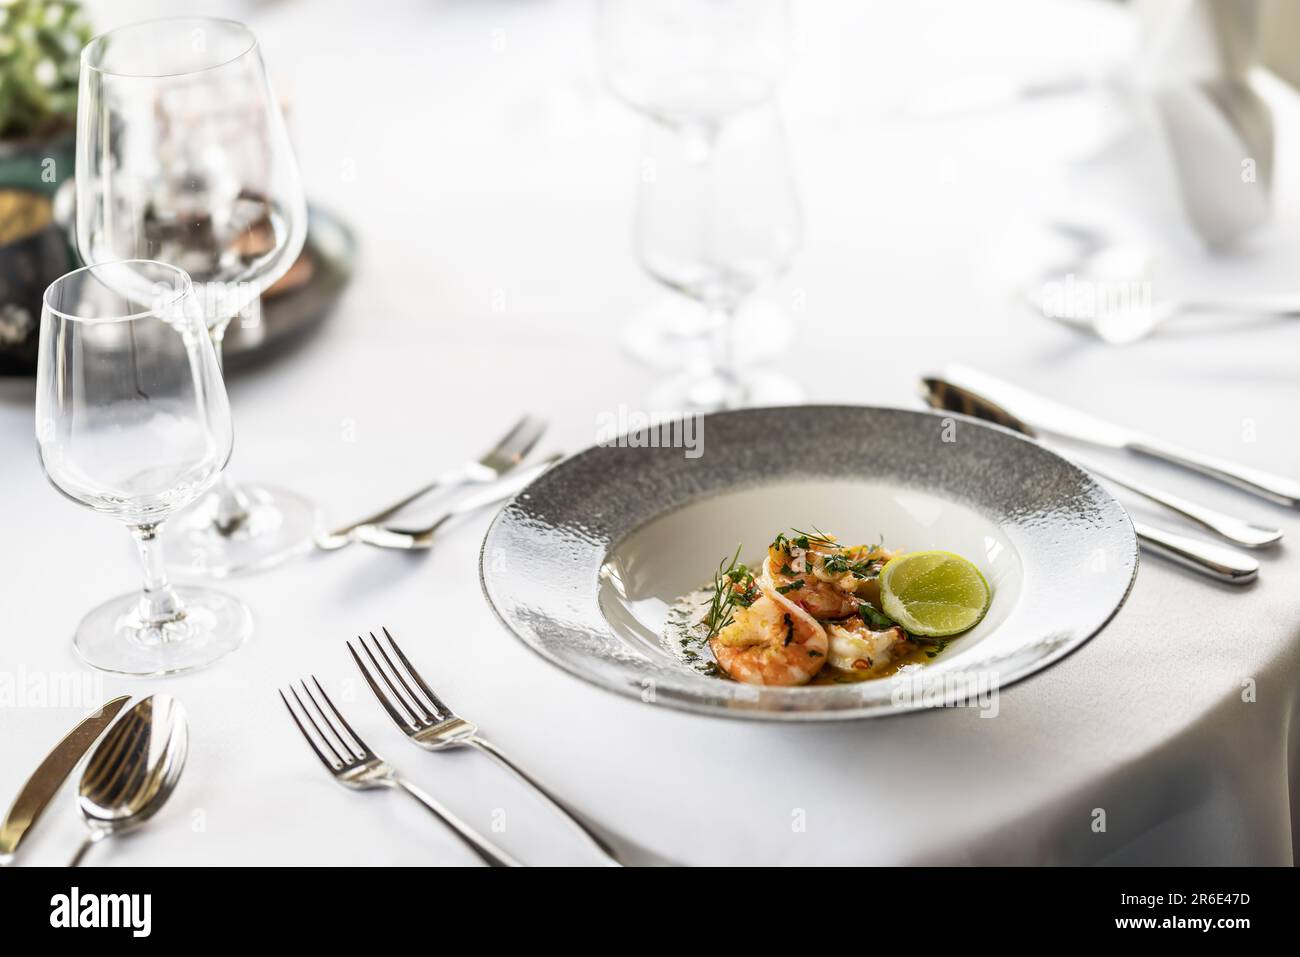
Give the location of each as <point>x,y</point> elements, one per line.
<point>733,584</point>
<point>873,617</point>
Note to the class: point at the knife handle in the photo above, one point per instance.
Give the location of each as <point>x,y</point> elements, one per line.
<point>1217,561</point>
<point>1275,488</point>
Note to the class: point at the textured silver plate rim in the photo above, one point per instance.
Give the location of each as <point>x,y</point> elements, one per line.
<point>1125,551</point>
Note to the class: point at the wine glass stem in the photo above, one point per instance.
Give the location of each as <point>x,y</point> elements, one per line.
<point>159,603</point>
<point>232,504</point>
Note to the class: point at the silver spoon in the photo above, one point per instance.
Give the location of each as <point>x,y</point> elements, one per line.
<point>133,770</point>
<point>1120,271</point>
<point>1129,322</point>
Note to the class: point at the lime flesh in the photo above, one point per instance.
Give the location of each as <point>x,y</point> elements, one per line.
<point>933,593</point>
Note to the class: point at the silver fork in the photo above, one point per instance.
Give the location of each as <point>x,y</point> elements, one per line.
<point>355,766</point>
<point>418,539</point>
<point>433,726</point>
<point>493,464</point>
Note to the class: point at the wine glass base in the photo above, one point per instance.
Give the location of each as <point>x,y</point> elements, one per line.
<point>278,526</point>
<point>675,333</point>
<point>114,638</point>
<point>710,392</point>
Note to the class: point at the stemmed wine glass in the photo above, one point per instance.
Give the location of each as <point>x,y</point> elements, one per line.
<point>132,421</point>
<point>182,157</point>
<point>690,66</point>
<point>715,232</point>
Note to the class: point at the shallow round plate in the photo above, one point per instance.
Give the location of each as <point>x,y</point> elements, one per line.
<point>585,564</point>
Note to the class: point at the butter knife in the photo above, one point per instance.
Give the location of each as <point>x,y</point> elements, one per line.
<point>53,771</point>
<point>1046,415</point>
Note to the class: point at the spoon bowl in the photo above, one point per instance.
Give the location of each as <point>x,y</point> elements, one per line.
<point>133,771</point>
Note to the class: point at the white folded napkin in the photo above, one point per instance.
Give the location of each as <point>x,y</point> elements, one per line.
<point>1195,64</point>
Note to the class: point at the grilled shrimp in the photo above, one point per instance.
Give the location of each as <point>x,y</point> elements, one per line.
<point>855,646</point>
<point>824,579</point>
<point>772,642</point>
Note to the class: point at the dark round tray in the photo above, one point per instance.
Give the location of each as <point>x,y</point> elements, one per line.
<point>295,304</point>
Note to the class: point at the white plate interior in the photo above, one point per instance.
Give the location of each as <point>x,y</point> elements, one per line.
<point>651,568</point>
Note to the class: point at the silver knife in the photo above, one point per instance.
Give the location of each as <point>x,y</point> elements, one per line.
<point>1046,415</point>
<point>1216,561</point>
<point>53,771</point>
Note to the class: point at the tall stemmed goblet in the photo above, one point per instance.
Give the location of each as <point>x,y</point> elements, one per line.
<point>182,157</point>
<point>691,65</point>
<point>132,421</point>
<point>715,232</point>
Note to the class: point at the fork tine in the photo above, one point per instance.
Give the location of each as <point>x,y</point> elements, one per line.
<point>319,733</point>
<point>443,710</point>
<point>362,748</point>
<point>411,705</point>
<point>519,441</point>
<point>399,717</point>
<point>427,714</point>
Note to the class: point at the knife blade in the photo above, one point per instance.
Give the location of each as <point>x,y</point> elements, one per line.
<point>49,776</point>
<point>1216,561</point>
<point>1046,415</point>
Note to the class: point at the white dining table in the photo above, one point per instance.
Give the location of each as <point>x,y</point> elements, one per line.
<point>491,181</point>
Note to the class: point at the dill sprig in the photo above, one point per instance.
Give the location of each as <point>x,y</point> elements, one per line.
<point>733,584</point>
<point>815,537</point>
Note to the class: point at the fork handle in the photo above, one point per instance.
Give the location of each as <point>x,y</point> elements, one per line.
<point>492,855</point>
<point>492,751</point>
<point>449,480</point>
<point>91,839</point>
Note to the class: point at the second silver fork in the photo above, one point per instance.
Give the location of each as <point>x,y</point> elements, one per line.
<point>355,766</point>
<point>432,725</point>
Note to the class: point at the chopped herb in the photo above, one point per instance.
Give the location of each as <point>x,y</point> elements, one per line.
<point>873,617</point>
<point>841,564</point>
<point>793,586</point>
<point>789,628</point>
<point>814,654</point>
<point>936,645</point>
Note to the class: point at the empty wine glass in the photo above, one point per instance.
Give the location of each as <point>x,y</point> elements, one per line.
<point>132,421</point>
<point>182,157</point>
<point>715,232</point>
<point>691,65</point>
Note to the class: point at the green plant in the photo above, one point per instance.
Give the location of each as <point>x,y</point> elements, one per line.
<point>40,48</point>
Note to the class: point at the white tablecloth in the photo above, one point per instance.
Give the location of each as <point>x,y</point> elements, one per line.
<point>491,182</point>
